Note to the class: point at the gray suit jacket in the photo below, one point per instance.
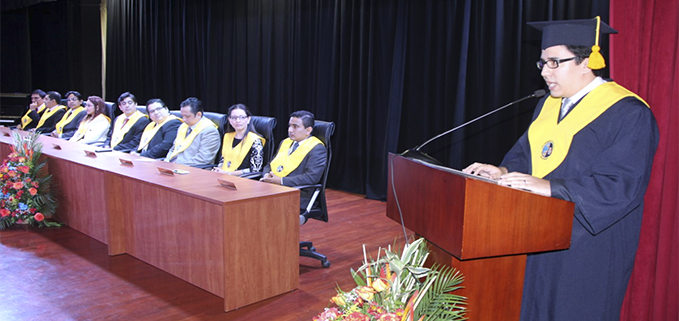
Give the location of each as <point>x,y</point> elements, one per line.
<point>202,150</point>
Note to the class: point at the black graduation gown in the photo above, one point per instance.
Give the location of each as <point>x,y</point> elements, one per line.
<point>605,174</point>
<point>162,141</point>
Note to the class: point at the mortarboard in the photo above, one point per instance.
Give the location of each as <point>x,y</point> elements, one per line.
<point>584,32</point>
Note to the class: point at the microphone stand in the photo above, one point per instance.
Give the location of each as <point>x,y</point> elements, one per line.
<point>415,152</point>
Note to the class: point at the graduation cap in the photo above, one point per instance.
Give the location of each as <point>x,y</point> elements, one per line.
<point>584,32</point>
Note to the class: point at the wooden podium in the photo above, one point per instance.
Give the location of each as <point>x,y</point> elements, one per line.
<point>482,229</point>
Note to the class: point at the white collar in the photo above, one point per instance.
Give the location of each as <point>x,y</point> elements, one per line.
<point>598,81</point>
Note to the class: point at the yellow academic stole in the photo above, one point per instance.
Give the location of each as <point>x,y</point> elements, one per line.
<point>84,126</point>
<point>119,130</point>
<point>283,164</point>
<point>233,157</point>
<point>67,118</point>
<point>181,143</point>
<point>48,113</point>
<point>151,130</point>
<point>550,140</point>
<point>25,120</point>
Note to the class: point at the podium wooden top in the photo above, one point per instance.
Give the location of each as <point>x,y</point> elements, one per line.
<point>472,218</point>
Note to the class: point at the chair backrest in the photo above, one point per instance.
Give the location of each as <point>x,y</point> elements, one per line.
<point>323,130</point>
<point>142,109</point>
<point>218,118</point>
<point>265,126</point>
<point>176,113</point>
<point>110,110</point>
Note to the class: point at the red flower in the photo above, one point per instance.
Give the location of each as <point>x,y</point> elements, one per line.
<point>5,212</point>
<point>12,173</point>
<point>357,316</point>
<point>18,185</point>
<point>24,169</point>
<point>33,191</point>
<point>39,217</point>
<point>389,317</point>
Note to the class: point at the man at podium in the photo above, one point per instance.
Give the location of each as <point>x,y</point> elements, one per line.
<point>591,142</point>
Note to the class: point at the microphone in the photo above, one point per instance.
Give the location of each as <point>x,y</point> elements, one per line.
<point>417,154</point>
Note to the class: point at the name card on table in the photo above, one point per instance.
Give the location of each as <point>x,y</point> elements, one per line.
<point>165,171</point>
<point>126,162</point>
<point>226,184</point>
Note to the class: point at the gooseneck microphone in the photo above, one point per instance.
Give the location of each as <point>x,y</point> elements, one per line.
<point>415,151</point>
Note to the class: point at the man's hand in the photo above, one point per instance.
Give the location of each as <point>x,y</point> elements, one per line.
<point>270,178</point>
<point>485,170</point>
<point>526,182</point>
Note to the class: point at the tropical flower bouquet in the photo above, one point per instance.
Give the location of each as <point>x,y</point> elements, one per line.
<point>24,188</point>
<point>398,287</point>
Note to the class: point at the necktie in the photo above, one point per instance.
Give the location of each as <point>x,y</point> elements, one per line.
<point>188,132</point>
<point>293,148</point>
<point>125,122</point>
<point>565,106</point>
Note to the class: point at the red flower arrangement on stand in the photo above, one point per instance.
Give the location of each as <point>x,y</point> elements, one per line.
<point>24,187</point>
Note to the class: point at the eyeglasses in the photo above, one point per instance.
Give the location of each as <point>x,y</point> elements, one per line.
<point>552,63</point>
<point>151,111</point>
<point>123,103</point>
<point>72,99</point>
<point>238,117</point>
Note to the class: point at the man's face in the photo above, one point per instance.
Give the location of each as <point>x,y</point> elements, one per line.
<point>36,99</point>
<point>567,79</point>
<point>157,112</point>
<point>73,101</point>
<point>49,103</point>
<point>189,118</point>
<point>127,106</point>
<point>296,129</point>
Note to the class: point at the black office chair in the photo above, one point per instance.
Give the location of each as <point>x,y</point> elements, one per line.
<point>110,110</point>
<point>142,109</point>
<point>176,113</point>
<point>264,126</point>
<point>317,207</point>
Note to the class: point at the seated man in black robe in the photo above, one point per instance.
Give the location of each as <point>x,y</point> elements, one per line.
<point>300,159</point>
<point>127,128</point>
<point>52,114</point>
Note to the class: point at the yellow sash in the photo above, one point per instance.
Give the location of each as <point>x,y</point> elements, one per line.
<point>181,143</point>
<point>233,157</point>
<point>151,130</point>
<point>48,113</point>
<point>67,118</point>
<point>84,126</point>
<point>283,164</point>
<point>25,120</point>
<point>119,130</point>
<point>550,140</point>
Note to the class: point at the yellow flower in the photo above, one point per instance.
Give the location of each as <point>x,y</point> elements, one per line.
<point>365,292</point>
<point>339,300</point>
<point>380,285</point>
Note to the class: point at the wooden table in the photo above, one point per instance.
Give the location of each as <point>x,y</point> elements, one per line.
<point>241,245</point>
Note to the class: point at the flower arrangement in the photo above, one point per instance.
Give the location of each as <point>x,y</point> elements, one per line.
<point>397,288</point>
<point>24,187</point>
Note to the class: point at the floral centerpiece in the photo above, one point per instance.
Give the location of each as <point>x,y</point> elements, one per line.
<point>398,287</point>
<point>24,187</point>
